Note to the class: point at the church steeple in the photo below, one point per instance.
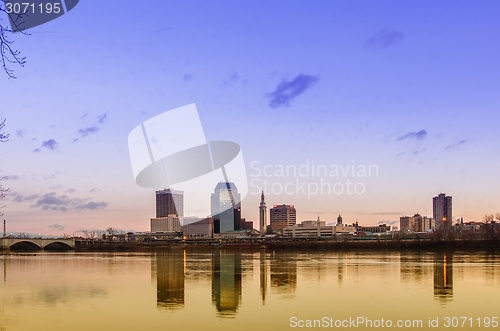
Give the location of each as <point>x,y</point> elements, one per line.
<point>339,220</point>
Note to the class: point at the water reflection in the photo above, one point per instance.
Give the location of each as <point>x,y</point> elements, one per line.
<point>263,276</point>
<point>226,282</point>
<point>284,273</point>
<point>443,277</point>
<point>170,280</point>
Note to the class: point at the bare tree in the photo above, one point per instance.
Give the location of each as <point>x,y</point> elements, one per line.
<point>3,190</point>
<point>9,56</point>
<point>488,218</point>
<point>497,216</point>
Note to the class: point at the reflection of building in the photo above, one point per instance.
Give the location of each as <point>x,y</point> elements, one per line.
<point>412,267</point>
<point>441,206</point>
<point>170,202</point>
<point>263,277</point>
<point>443,276</point>
<point>283,273</point>
<point>226,282</point>
<point>203,228</point>
<point>281,216</point>
<point>226,207</point>
<point>170,223</point>
<point>416,223</point>
<point>169,280</point>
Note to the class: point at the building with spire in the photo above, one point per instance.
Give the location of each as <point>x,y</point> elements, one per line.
<point>262,215</point>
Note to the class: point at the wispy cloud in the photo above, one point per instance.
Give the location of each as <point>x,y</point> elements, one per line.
<point>85,132</point>
<point>51,201</point>
<point>286,90</point>
<point>414,135</point>
<point>380,213</point>
<point>71,190</point>
<point>21,133</point>
<point>23,198</point>
<point>57,227</point>
<point>456,145</point>
<point>102,118</point>
<point>188,78</point>
<point>95,189</point>
<point>385,38</point>
<point>48,144</point>
<point>10,177</point>
<point>388,222</point>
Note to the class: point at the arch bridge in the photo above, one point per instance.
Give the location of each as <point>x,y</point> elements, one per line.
<point>41,243</point>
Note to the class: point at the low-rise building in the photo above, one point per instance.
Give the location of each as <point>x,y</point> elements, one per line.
<point>309,229</point>
<point>169,224</point>
<point>417,223</point>
<point>203,228</point>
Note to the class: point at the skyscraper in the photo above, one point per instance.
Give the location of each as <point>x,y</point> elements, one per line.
<point>170,202</point>
<point>282,216</point>
<point>262,215</point>
<point>226,207</point>
<point>441,206</point>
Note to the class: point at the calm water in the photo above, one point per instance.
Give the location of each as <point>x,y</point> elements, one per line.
<point>227,290</point>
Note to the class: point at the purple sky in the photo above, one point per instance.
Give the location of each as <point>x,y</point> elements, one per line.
<point>410,87</point>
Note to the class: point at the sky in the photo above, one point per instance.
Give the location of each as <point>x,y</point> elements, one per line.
<point>408,89</point>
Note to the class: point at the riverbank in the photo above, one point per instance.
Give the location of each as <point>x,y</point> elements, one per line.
<point>375,245</point>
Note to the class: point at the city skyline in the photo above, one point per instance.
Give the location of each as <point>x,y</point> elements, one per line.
<point>406,89</point>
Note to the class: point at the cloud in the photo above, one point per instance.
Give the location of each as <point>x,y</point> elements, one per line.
<point>84,115</point>
<point>188,78</point>
<point>92,205</point>
<point>382,213</point>
<point>385,38</point>
<point>414,135</point>
<point>95,189</point>
<point>22,198</point>
<point>57,227</point>
<point>230,79</point>
<point>102,118</point>
<point>286,91</point>
<point>50,201</point>
<point>85,132</point>
<point>10,177</point>
<point>56,187</point>
<point>71,190</point>
<point>455,145</point>
<point>388,222</point>
<point>49,144</point>
<point>20,133</point>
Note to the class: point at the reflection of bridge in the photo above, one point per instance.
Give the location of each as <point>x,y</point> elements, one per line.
<point>7,243</point>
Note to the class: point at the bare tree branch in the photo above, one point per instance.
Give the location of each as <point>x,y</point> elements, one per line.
<point>8,55</point>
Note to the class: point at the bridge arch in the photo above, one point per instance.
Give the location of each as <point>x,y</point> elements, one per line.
<point>25,244</point>
<point>55,244</point>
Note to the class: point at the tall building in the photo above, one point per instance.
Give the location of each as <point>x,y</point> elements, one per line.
<point>416,223</point>
<point>170,202</point>
<point>262,215</point>
<point>441,206</point>
<point>281,216</point>
<point>226,207</point>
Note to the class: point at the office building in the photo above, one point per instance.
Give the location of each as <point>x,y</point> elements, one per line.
<point>226,207</point>
<point>170,224</point>
<point>281,216</point>
<point>202,228</point>
<point>170,202</point>
<point>416,223</point>
<point>442,212</point>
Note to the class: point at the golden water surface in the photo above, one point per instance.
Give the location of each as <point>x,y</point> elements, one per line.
<point>238,290</point>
